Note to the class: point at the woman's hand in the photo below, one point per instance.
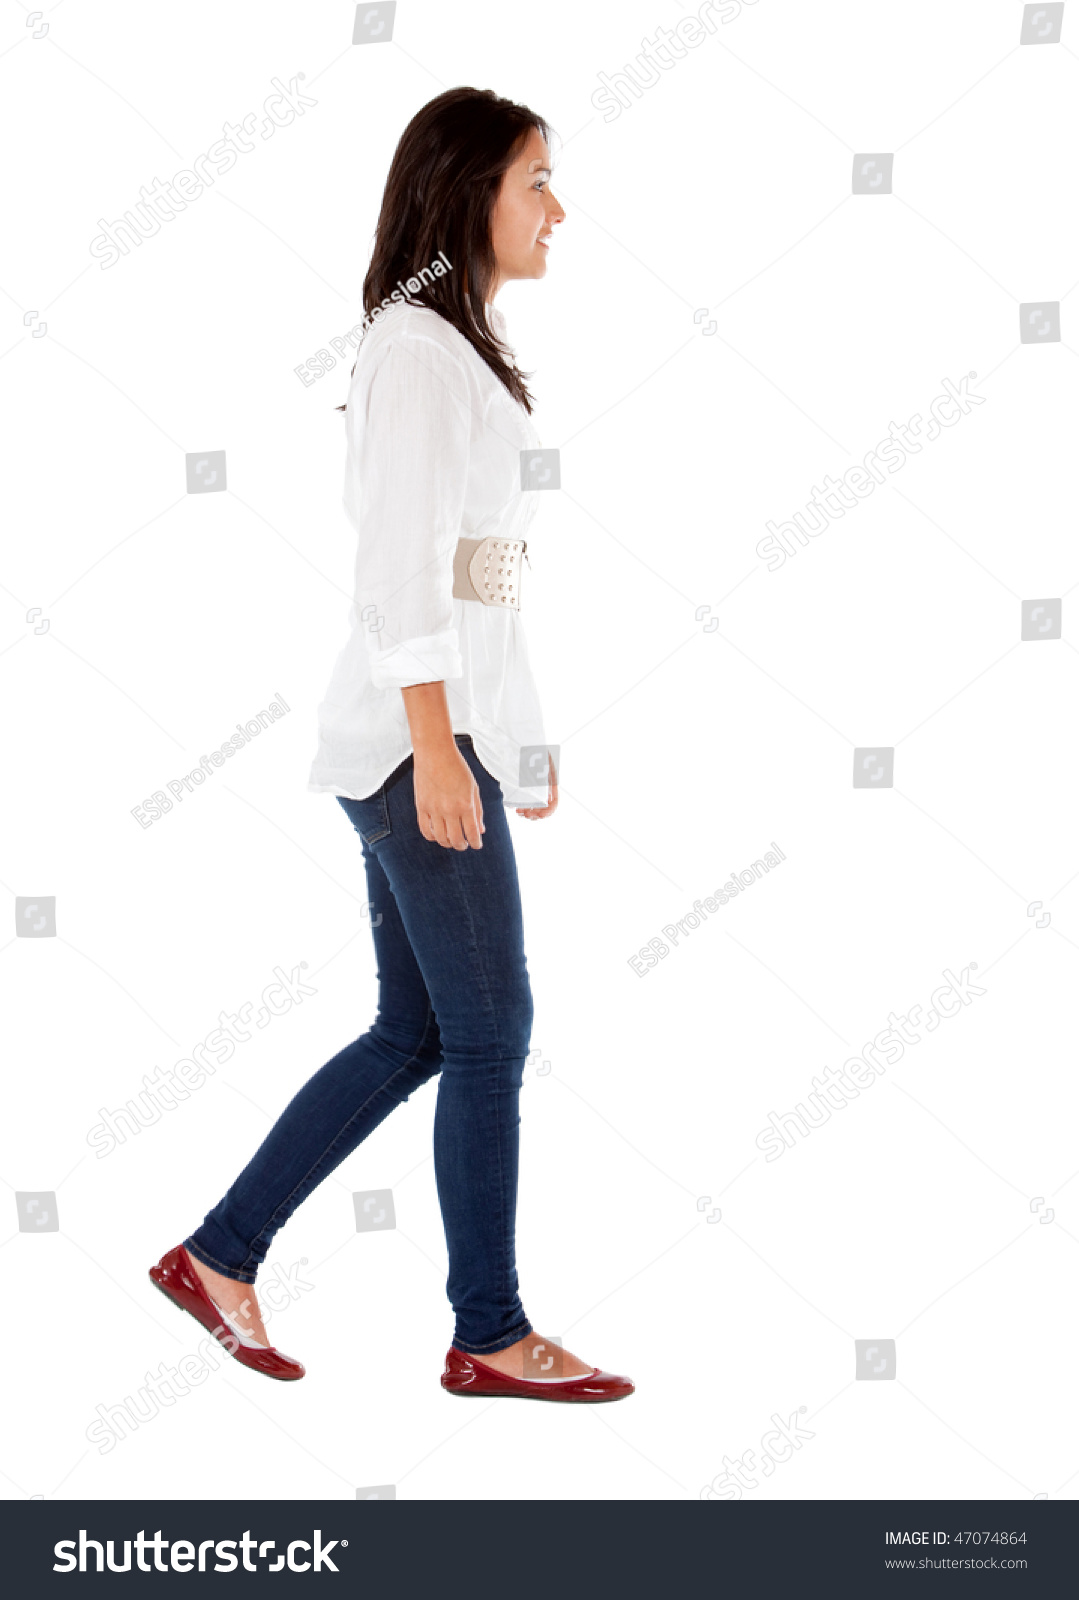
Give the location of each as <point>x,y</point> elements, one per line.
<point>449,809</point>
<point>534,813</point>
<point>448,805</point>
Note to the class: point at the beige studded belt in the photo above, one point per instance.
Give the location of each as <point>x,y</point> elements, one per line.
<point>489,570</point>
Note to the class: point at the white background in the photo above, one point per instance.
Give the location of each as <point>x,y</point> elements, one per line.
<point>685,752</point>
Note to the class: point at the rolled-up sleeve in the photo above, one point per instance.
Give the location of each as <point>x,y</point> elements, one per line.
<point>411,465</point>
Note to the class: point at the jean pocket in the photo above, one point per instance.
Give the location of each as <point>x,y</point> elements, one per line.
<point>369,817</point>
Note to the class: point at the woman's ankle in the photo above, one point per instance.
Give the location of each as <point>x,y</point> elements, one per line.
<point>537,1357</point>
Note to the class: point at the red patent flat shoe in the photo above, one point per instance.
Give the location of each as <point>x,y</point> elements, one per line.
<point>175,1276</point>
<point>465,1374</point>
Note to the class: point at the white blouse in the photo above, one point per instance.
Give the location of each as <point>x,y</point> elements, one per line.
<point>434,452</point>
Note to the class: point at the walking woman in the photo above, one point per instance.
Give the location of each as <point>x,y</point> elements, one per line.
<point>430,729</point>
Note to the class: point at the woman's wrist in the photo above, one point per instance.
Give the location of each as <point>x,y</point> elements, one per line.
<point>429,721</point>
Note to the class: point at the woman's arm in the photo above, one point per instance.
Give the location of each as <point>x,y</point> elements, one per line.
<point>410,477</point>
<point>448,804</point>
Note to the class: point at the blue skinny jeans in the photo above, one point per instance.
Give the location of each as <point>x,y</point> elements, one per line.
<point>454,999</point>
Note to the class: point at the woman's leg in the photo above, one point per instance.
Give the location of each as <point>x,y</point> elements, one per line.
<point>335,1109</point>
<point>449,942</point>
<point>461,910</point>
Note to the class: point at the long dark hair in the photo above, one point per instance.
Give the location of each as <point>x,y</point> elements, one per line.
<point>440,192</point>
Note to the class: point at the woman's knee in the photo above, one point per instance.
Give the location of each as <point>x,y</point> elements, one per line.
<point>517,1012</point>
<point>490,1023</point>
<point>417,1047</point>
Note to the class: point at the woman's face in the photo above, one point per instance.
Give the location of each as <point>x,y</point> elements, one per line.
<point>524,214</point>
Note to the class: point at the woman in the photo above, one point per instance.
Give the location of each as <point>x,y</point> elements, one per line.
<point>430,727</point>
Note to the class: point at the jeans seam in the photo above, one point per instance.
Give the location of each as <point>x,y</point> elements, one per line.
<point>502,1343</point>
<point>385,830</point>
<point>211,1261</point>
<point>341,1131</point>
<point>489,1003</point>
